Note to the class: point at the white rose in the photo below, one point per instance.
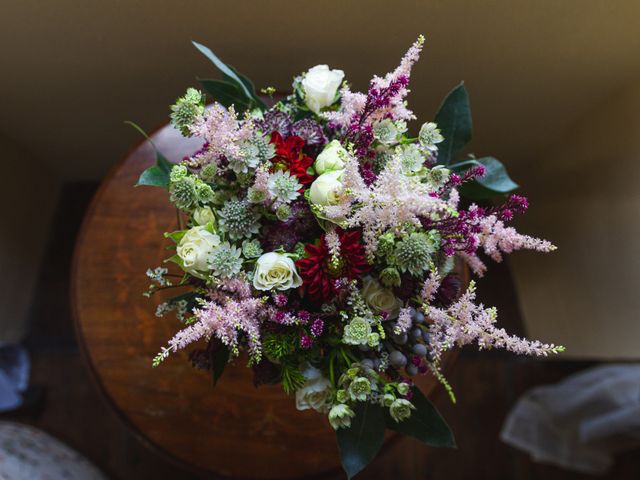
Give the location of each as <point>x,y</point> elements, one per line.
<point>275,270</point>
<point>331,158</point>
<point>320,86</point>
<point>326,189</point>
<point>315,393</point>
<point>194,250</point>
<point>204,215</point>
<point>381,299</point>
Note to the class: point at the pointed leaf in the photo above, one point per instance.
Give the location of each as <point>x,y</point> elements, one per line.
<point>225,93</point>
<point>153,176</point>
<point>495,176</point>
<point>249,84</point>
<point>495,181</point>
<point>425,423</point>
<point>156,175</point>
<point>454,120</point>
<point>360,443</point>
<point>223,67</point>
<point>219,360</point>
<point>244,79</point>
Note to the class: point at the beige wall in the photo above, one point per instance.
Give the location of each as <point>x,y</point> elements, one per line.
<point>585,196</point>
<point>27,199</point>
<point>73,70</point>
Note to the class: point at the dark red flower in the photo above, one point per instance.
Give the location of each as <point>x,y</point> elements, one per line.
<point>319,275</point>
<point>289,155</point>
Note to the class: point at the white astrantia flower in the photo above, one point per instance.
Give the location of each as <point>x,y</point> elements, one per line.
<point>315,393</point>
<point>194,250</point>
<point>320,85</point>
<point>283,186</point>
<point>430,136</point>
<point>340,416</point>
<point>225,260</point>
<point>275,271</point>
<point>400,409</point>
<point>333,157</point>
<point>326,189</point>
<point>412,159</point>
<point>249,159</point>
<point>386,132</point>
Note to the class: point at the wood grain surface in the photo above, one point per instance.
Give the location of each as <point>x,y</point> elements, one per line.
<point>234,429</point>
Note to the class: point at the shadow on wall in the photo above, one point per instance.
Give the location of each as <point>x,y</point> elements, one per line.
<point>586,199</point>
<point>27,199</point>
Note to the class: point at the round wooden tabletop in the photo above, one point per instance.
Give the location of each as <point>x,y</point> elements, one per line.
<point>234,429</point>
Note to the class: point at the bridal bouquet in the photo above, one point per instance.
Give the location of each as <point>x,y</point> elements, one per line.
<point>320,238</point>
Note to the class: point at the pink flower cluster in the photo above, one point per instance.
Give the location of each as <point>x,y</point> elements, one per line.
<point>229,311</point>
<point>224,134</point>
<point>465,322</point>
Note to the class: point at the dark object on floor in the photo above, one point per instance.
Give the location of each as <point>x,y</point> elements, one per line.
<point>14,376</point>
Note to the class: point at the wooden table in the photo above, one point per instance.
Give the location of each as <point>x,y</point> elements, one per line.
<point>234,429</point>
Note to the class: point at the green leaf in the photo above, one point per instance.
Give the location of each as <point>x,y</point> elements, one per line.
<point>225,93</point>
<point>219,360</point>
<point>425,423</point>
<point>495,181</point>
<point>231,76</point>
<point>175,259</point>
<point>227,71</point>
<point>175,236</point>
<point>454,120</point>
<point>156,175</point>
<point>249,84</point>
<point>360,443</point>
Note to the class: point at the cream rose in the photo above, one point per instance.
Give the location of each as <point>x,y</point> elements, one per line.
<point>315,393</point>
<point>331,158</point>
<point>275,270</point>
<point>326,189</point>
<point>320,85</point>
<point>381,299</point>
<point>194,250</point>
<point>204,215</point>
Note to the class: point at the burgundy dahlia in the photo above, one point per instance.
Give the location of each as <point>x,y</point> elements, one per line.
<point>320,277</point>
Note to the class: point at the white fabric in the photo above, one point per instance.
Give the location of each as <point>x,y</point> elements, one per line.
<point>581,422</point>
<point>27,453</point>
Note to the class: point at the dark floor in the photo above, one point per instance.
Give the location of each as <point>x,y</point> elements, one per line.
<point>64,401</point>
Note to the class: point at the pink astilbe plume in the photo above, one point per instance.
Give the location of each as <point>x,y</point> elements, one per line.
<point>391,203</point>
<point>404,321</point>
<point>476,265</point>
<point>223,133</point>
<point>430,287</point>
<point>396,107</point>
<point>229,311</point>
<point>466,322</point>
<point>384,99</point>
<point>496,238</point>
<point>354,186</point>
<point>332,240</point>
<point>351,105</point>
